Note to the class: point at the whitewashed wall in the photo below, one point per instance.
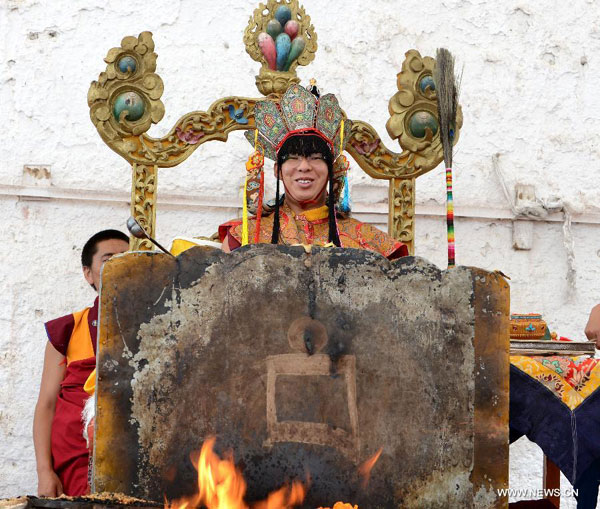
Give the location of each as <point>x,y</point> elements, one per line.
<point>531,72</point>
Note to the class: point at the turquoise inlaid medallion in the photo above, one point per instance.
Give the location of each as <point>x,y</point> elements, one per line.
<point>127,64</point>
<point>130,102</point>
<point>427,82</point>
<point>420,121</point>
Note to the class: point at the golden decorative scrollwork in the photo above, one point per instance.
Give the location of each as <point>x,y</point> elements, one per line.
<point>413,122</point>
<point>258,23</point>
<point>192,130</point>
<point>374,158</point>
<point>122,120</point>
<point>277,82</point>
<point>402,209</point>
<point>126,98</point>
<point>144,180</point>
<point>414,108</point>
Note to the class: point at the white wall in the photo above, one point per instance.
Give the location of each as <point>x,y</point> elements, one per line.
<point>529,93</point>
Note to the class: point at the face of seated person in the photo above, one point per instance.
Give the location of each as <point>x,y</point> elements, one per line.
<point>305,181</point>
<point>105,249</point>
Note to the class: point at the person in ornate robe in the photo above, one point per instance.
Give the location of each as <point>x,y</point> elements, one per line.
<point>70,357</point>
<point>304,134</point>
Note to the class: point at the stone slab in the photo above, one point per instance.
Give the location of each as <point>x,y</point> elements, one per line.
<point>305,364</point>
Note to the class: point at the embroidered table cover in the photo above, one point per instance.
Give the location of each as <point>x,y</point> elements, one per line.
<point>555,402</point>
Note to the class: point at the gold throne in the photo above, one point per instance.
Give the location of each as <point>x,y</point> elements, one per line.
<point>126,100</point>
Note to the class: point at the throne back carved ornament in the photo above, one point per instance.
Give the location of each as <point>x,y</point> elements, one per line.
<point>126,100</point>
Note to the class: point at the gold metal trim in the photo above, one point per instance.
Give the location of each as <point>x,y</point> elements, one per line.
<point>143,203</point>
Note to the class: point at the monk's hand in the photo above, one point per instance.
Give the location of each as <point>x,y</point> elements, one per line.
<point>49,484</point>
<point>592,329</point>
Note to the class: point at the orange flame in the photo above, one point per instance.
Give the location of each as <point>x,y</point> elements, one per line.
<point>341,505</point>
<point>283,497</point>
<point>367,466</point>
<point>222,486</point>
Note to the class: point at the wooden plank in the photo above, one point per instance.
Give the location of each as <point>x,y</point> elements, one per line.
<point>552,481</point>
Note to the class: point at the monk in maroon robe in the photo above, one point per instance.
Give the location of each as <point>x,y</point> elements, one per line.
<point>61,452</point>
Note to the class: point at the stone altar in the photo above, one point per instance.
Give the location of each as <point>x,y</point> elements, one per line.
<point>304,363</point>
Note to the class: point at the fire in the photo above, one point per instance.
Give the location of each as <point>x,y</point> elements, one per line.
<point>341,505</point>
<point>283,497</point>
<point>366,467</point>
<point>222,486</point>
<point>365,471</point>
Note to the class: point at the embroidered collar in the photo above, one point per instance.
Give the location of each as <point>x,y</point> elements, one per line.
<point>313,214</point>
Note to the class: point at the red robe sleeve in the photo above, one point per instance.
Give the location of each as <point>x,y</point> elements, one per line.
<point>59,332</point>
<point>225,233</point>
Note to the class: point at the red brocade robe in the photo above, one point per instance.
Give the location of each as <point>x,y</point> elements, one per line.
<point>74,336</point>
<point>312,227</point>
